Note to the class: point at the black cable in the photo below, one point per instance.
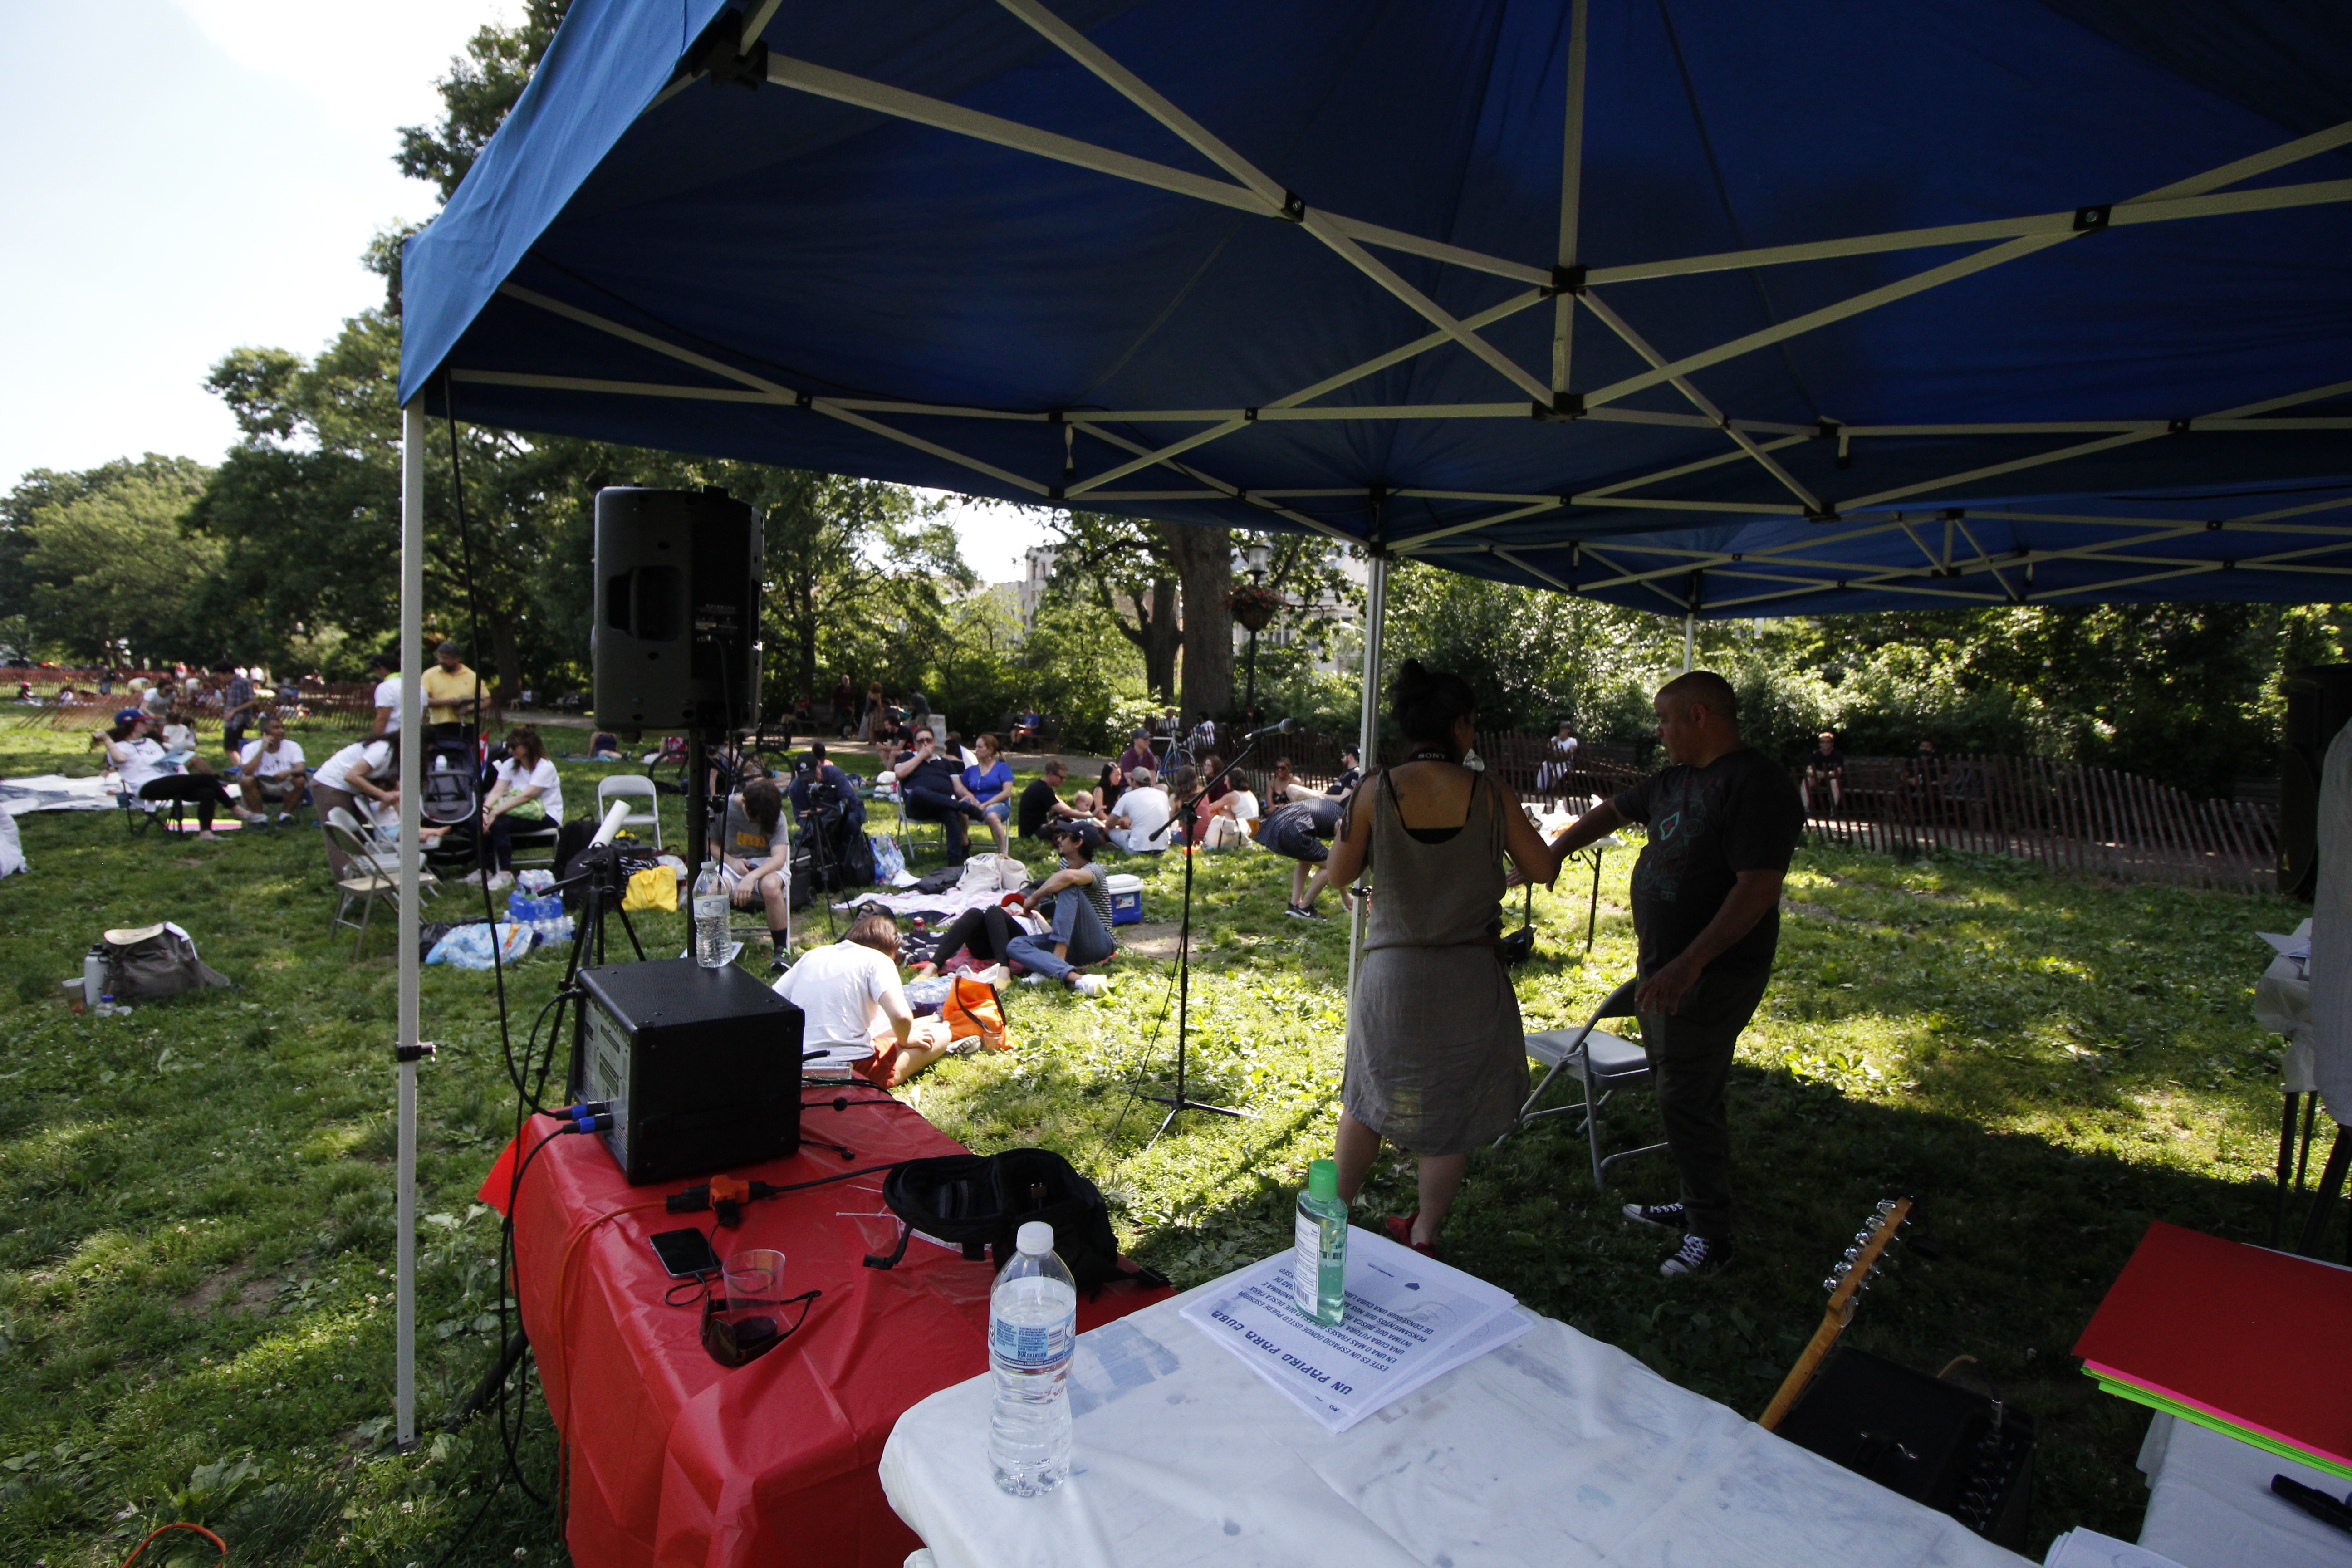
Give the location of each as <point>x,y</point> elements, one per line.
<point>1134,1062</point>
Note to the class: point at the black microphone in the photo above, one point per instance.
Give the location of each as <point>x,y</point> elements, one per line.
<point>1284,728</point>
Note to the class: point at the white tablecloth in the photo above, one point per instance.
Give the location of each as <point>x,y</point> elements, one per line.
<point>1555,1449</point>
<point>2209,1503</point>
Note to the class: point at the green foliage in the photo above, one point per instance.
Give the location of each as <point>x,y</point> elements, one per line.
<point>482,85</point>
<point>102,568</point>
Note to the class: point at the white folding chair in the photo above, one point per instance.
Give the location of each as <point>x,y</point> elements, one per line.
<point>1603,1063</point>
<point>364,884</point>
<point>367,850</point>
<point>631,785</point>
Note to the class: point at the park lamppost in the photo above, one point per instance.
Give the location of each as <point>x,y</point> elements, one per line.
<point>1254,606</point>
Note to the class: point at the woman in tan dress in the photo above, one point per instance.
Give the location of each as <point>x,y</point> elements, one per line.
<point>1436,1063</point>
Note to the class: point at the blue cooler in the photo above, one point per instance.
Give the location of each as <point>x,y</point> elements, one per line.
<point>1126,899</point>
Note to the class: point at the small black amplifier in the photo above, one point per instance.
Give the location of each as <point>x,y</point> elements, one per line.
<point>701,1066</point>
<point>1958,1451</point>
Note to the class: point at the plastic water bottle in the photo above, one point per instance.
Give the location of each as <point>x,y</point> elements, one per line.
<point>710,918</point>
<point>1032,1323</point>
<point>1318,1259</point>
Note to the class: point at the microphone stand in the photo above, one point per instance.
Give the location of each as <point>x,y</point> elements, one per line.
<point>1181,1102</point>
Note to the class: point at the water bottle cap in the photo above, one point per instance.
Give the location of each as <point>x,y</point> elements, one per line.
<point>1323,1179</point>
<point>1036,1239</point>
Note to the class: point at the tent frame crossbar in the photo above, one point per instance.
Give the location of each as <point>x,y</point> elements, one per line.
<point>1248,188</point>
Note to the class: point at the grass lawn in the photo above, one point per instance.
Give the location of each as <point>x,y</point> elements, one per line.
<point>196,1200</point>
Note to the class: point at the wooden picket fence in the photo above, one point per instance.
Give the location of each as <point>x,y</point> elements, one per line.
<point>2093,820</point>
<point>2062,816</point>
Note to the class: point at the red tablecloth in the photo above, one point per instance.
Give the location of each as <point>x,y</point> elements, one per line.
<point>676,1461</point>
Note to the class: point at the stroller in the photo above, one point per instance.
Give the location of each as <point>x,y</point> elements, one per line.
<point>449,794</point>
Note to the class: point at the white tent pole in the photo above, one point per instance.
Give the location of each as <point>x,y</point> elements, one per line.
<point>407,1050</point>
<point>1571,181</point>
<point>1368,731</point>
<point>1690,633</point>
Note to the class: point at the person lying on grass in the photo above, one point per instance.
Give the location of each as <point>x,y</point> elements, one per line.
<point>1078,900</point>
<point>849,996</point>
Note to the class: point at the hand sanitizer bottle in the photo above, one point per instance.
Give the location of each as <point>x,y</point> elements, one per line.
<point>1318,1265</point>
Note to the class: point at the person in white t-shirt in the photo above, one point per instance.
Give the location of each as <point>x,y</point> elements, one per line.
<point>850,1000</point>
<point>271,769</point>
<point>1139,825</point>
<point>386,670</point>
<point>363,778</point>
<point>525,794</point>
<point>149,773</point>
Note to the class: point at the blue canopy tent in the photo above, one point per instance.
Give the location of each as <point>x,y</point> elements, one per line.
<point>1712,308</point>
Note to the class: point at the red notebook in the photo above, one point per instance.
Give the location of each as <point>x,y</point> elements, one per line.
<point>2259,1338</point>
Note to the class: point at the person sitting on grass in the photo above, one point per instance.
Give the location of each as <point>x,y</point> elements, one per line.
<point>755,857</point>
<point>1041,804</point>
<point>988,783</point>
<point>605,746</point>
<point>526,793</point>
<point>1303,830</point>
<point>1139,825</point>
<point>987,934</point>
<point>1079,898</point>
<point>148,772</point>
<point>851,1001</point>
<point>271,770</point>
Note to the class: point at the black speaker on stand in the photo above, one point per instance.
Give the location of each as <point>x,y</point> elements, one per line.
<point>675,643</point>
<point>2318,704</point>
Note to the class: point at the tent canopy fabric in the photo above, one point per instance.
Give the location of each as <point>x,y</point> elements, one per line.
<point>1682,303</point>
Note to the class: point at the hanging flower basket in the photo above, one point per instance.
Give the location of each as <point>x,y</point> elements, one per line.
<point>1253,605</point>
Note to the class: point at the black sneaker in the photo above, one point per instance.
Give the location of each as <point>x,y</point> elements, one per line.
<point>1698,1257</point>
<point>1300,912</point>
<point>1665,1216</point>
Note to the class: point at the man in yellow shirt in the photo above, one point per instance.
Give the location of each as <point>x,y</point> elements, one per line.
<point>449,688</point>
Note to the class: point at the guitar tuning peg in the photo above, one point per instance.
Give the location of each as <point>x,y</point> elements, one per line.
<point>1831,1284</point>
<point>1861,1238</point>
<point>1886,1205</point>
<point>1852,1253</point>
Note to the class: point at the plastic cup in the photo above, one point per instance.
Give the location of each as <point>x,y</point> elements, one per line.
<point>754,1285</point>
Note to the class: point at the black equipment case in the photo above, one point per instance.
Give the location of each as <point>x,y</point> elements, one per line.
<point>701,1066</point>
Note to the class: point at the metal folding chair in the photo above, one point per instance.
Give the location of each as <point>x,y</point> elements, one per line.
<point>367,886</point>
<point>630,786</point>
<point>1601,1062</point>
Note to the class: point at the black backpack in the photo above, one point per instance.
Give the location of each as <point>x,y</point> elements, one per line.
<point>981,1200</point>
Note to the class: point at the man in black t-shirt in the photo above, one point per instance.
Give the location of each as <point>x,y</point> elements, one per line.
<point>1723,822</point>
<point>1041,803</point>
<point>1825,783</point>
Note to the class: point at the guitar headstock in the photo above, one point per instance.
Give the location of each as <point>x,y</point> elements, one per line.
<point>1870,1243</point>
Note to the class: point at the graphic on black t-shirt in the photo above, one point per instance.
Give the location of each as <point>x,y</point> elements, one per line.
<point>1707,824</point>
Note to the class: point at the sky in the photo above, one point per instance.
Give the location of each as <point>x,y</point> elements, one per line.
<point>201,174</point>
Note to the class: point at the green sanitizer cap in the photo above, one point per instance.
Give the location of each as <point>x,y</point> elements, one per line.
<point>1323,1180</point>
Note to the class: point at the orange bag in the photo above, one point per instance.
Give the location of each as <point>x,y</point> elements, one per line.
<point>973,1008</point>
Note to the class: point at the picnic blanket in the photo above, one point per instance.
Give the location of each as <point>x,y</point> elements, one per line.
<point>55,792</point>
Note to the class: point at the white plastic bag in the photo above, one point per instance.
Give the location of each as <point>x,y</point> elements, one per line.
<point>12,850</point>
<point>468,946</point>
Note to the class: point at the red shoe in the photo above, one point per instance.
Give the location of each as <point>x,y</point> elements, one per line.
<point>1400,1229</point>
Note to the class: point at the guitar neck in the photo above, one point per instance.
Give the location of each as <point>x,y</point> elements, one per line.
<point>1862,1261</point>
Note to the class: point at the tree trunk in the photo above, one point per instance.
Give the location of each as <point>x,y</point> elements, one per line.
<point>1160,641</point>
<point>1204,560</point>
<point>508,686</point>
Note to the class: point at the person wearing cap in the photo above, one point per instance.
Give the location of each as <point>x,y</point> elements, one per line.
<point>149,773</point>
<point>385,667</point>
<point>452,691</point>
<point>1079,899</point>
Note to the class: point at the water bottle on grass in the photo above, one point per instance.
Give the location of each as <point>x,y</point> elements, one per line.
<point>1032,1322</point>
<point>710,918</point>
